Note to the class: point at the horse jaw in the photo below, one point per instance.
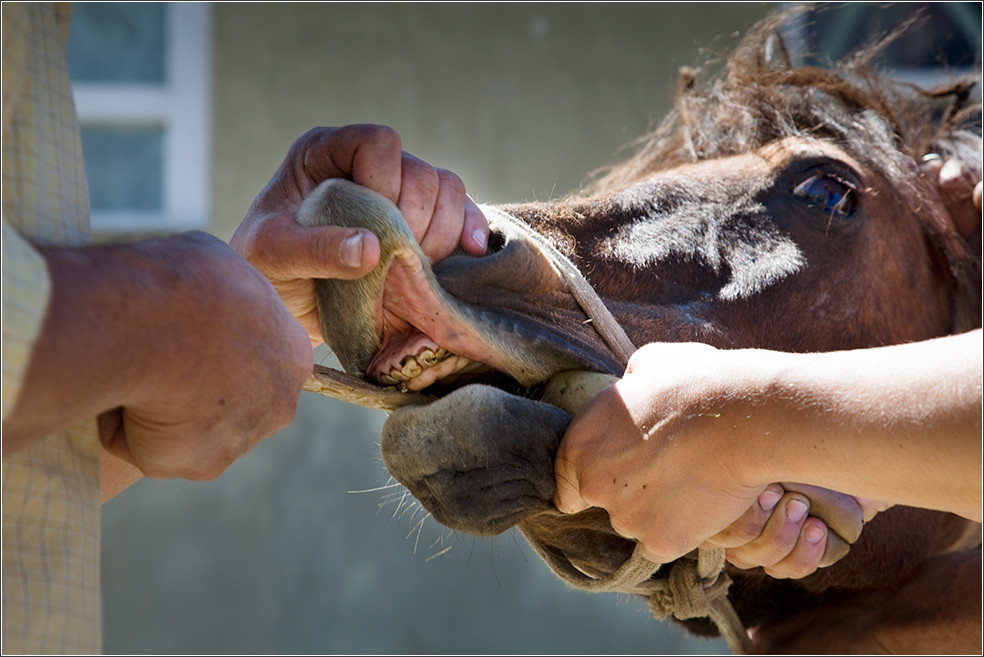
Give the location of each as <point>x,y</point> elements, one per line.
<point>480,458</point>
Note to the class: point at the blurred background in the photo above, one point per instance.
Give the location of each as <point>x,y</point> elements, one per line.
<point>304,546</point>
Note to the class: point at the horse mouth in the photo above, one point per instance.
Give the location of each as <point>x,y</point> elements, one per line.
<point>462,355</point>
<point>419,328</point>
<point>437,370</point>
<point>430,344</point>
<point>411,360</point>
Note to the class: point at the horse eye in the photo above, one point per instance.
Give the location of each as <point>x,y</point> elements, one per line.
<point>835,196</point>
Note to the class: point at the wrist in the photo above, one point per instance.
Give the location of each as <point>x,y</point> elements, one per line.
<point>112,317</point>
<point>752,394</point>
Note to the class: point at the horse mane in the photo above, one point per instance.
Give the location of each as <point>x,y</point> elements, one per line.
<point>760,95</point>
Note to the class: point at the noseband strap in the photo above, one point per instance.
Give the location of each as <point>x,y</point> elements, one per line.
<point>599,315</point>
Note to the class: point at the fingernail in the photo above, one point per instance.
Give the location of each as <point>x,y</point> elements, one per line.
<point>768,499</point>
<point>352,251</point>
<point>813,533</point>
<point>479,237</point>
<point>796,510</point>
<point>952,170</point>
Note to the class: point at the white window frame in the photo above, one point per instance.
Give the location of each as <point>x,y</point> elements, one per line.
<point>183,106</point>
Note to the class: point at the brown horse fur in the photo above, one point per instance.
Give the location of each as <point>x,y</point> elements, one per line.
<point>888,126</point>
<point>699,237</point>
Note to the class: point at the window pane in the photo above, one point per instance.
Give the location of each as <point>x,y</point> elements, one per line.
<point>124,165</point>
<point>948,34</point>
<point>117,42</point>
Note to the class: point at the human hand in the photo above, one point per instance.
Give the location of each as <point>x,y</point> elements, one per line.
<point>210,361</point>
<point>673,443</point>
<point>960,188</point>
<point>786,531</point>
<point>650,450</point>
<point>433,201</point>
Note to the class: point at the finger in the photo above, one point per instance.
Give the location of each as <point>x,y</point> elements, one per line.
<point>778,538</point>
<point>367,154</point>
<point>840,512</point>
<point>957,187</point>
<point>284,250</point>
<point>443,233</point>
<point>806,555</point>
<point>752,523</point>
<point>419,192</point>
<point>475,232</point>
<point>836,549</point>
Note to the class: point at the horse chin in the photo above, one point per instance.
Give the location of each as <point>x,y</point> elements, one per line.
<point>479,458</point>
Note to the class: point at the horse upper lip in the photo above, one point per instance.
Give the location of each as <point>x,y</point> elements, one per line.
<point>486,316</point>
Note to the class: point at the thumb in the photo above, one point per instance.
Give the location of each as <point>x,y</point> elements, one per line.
<point>285,250</point>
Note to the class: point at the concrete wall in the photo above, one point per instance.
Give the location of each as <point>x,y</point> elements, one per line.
<point>283,553</point>
<point>521,100</point>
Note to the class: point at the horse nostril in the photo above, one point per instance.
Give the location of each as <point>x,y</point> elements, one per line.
<point>496,242</point>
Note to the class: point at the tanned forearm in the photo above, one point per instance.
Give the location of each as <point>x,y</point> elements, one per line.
<point>181,349</point>
<point>85,353</point>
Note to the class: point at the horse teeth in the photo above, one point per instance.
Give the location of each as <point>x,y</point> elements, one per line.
<point>411,368</point>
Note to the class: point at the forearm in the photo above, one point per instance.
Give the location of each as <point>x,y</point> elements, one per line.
<point>900,424</point>
<point>183,351</point>
<point>84,355</point>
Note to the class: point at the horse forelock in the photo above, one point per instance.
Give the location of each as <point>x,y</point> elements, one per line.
<point>759,96</point>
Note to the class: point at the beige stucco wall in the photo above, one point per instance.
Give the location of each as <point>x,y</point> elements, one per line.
<point>521,100</point>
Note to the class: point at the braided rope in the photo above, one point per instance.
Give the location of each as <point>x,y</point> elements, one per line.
<point>697,585</point>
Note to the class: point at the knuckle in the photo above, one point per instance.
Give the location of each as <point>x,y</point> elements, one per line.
<point>385,135</point>
<point>451,184</point>
<point>745,532</point>
<point>619,527</point>
<point>284,413</point>
<point>789,569</point>
<point>736,559</point>
<point>420,176</point>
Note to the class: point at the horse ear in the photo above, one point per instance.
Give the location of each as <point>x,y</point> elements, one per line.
<point>686,79</point>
